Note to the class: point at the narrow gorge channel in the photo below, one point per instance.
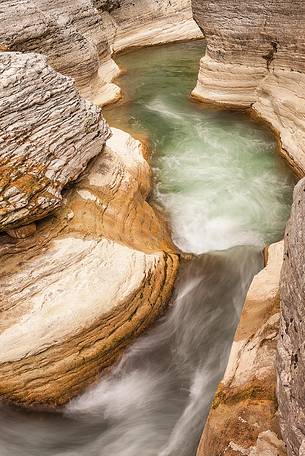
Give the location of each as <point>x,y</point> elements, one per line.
<point>226,194</point>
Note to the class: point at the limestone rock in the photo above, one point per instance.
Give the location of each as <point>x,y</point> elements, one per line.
<point>69,32</point>
<point>48,135</point>
<point>78,36</point>
<point>291,354</point>
<point>255,58</point>
<point>268,444</point>
<point>90,279</point>
<point>244,405</point>
<point>147,22</point>
<point>22,231</point>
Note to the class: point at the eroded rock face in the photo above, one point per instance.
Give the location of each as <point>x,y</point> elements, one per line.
<point>291,353</point>
<point>90,279</point>
<point>242,419</point>
<point>48,136</point>
<point>147,22</point>
<point>78,36</point>
<point>255,57</point>
<point>69,32</point>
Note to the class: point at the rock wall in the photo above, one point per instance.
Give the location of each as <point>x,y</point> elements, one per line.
<point>242,419</point>
<point>255,57</point>
<point>147,22</point>
<point>291,353</point>
<point>92,277</point>
<point>48,136</point>
<point>70,33</point>
<point>79,36</point>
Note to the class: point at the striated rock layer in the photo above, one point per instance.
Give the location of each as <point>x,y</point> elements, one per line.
<point>291,353</point>
<point>79,285</point>
<point>70,33</point>
<point>89,280</point>
<point>78,36</point>
<point>148,22</point>
<point>48,135</point>
<point>255,58</point>
<point>242,418</point>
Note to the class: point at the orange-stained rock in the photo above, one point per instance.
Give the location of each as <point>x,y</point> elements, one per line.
<point>90,279</point>
<point>48,135</point>
<point>245,406</point>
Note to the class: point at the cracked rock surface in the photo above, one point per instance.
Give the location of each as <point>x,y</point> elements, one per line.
<point>90,279</point>
<point>48,136</point>
<point>291,353</point>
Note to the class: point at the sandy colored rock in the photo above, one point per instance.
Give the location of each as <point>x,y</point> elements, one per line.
<point>48,136</point>
<point>22,232</point>
<point>291,355</point>
<point>79,36</point>
<point>148,22</point>
<point>69,32</point>
<point>244,406</point>
<point>90,279</point>
<point>255,58</point>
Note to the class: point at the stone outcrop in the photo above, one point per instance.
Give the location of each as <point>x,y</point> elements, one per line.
<point>242,419</point>
<point>291,354</point>
<point>148,22</point>
<point>79,36</point>
<point>71,34</point>
<point>255,58</point>
<point>91,278</point>
<point>48,136</point>
<point>79,285</point>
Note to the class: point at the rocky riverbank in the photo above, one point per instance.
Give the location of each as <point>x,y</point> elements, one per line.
<point>80,284</point>
<point>79,37</point>
<point>90,279</point>
<point>243,419</point>
<point>255,60</point>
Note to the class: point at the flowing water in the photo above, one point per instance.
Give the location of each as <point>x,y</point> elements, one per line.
<point>225,192</point>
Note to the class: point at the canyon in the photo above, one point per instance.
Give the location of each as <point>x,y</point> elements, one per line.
<point>88,260</point>
<point>103,225</point>
<point>255,59</point>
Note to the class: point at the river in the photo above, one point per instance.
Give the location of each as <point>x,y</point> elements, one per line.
<point>226,194</point>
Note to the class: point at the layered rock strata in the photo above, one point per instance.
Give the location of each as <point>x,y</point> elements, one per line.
<point>79,36</point>
<point>255,58</point>
<point>70,33</point>
<point>148,22</point>
<point>291,353</point>
<point>48,136</point>
<point>89,280</point>
<point>242,419</point>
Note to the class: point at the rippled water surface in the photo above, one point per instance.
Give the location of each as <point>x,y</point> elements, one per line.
<point>225,192</point>
<point>217,172</point>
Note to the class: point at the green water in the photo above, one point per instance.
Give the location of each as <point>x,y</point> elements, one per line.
<point>222,185</point>
<point>217,173</point>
